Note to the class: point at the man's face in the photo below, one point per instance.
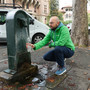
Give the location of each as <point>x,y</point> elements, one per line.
<point>53,24</point>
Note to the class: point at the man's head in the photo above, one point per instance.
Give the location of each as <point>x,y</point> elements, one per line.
<point>54,22</point>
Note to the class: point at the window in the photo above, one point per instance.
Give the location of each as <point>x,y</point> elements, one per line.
<point>2,1</point>
<point>35,9</point>
<point>66,9</point>
<point>35,17</point>
<point>70,9</point>
<point>27,6</point>
<point>70,15</point>
<point>45,9</point>
<point>66,15</point>
<point>2,18</point>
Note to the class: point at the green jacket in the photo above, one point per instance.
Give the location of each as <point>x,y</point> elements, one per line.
<point>59,37</point>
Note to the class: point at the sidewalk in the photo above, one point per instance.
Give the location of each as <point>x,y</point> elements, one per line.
<point>79,74</point>
<point>78,70</point>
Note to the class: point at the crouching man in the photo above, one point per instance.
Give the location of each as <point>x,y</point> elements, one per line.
<point>61,41</point>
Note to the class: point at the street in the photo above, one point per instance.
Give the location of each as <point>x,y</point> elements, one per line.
<point>3,51</point>
<point>78,68</point>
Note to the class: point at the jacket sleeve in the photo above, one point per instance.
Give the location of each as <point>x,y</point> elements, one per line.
<point>63,38</point>
<point>43,42</point>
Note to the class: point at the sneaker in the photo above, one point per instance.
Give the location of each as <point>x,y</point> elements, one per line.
<point>65,60</point>
<point>60,71</point>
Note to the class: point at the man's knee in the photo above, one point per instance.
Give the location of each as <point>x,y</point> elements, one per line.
<point>59,49</point>
<point>45,58</point>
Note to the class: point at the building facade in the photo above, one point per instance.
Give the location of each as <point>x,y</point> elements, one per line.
<point>37,8</point>
<point>67,13</point>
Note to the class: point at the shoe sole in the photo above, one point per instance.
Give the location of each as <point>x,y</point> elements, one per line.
<point>61,73</point>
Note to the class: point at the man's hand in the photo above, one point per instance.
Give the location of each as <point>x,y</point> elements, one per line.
<point>29,44</point>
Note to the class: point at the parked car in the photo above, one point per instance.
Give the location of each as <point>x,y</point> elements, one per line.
<point>70,27</point>
<point>37,30</point>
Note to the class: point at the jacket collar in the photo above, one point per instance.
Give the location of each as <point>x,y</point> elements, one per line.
<point>60,25</point>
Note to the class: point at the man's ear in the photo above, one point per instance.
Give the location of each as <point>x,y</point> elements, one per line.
<point>58,23</point>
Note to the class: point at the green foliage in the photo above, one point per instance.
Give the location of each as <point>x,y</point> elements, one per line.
<point>48,17</point>
<point>88,19</point>
<point>66,22</point>
<point>60,16</point>
<point>54,4</point>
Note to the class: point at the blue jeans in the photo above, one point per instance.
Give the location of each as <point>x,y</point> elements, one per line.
<point>58,54</point>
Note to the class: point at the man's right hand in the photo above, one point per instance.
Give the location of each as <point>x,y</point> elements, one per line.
<point>29,44</point>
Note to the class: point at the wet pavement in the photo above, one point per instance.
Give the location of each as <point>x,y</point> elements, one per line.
<point>77,76</point>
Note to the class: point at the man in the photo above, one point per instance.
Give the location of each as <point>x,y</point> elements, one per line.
<point>61,41</point>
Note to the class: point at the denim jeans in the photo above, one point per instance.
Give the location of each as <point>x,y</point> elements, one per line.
<point>58,54</point>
